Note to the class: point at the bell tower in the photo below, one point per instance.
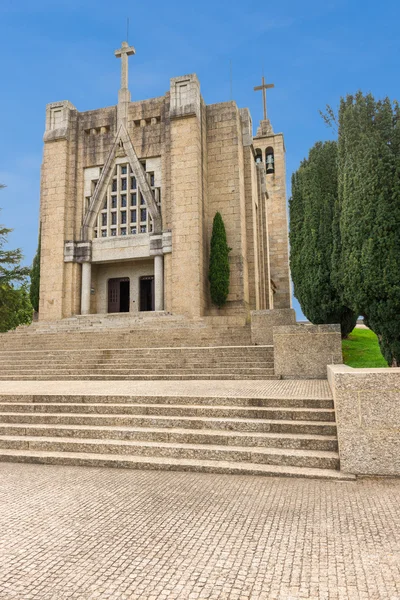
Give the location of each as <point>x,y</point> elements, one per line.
<point>269,149</point>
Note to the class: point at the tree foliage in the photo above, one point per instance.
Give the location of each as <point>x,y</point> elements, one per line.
<point>312,234</point>
<point>219,271</point>
<point>35,279</point>
<point>15,306</point>
<point>367,262</point>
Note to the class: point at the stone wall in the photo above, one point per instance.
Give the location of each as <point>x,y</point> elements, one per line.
<point>303,351</point>
<point>206,162</point>
<point>263,322</point>
<point>277,218</point>
<point>367,406</point>
<point>58,160</point>
<point>226,194</point>
<point>187,219</point>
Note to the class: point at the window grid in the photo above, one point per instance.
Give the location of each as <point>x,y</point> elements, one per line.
<point>125,211</point>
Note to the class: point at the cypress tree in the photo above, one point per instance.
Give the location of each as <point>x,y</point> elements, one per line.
<point>312,234</point>
<point>35,279</point>
<point>368,263</point>
<point>219,271</point>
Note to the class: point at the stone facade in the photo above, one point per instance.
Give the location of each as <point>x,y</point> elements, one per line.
<point>303,351</point>
<point>367,405</point>
<point>263,322</point>
<point>130,191</point>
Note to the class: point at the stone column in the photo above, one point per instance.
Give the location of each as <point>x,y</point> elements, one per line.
<point>159,282</point>
<point>86,285</point>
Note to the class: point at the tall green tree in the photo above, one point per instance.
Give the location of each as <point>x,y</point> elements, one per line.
<point>367,264</point>
<point>312,232</point>
<point>219,271</point>
<point>15,306</point>
<point>35,278</point>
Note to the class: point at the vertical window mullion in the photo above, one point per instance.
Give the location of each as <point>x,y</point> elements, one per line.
<point>119,175</point>
<point>109,208</point>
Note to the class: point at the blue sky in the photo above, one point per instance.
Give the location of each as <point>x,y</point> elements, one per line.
<point>314,52</point>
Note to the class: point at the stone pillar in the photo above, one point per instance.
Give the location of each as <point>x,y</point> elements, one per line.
<point>187,190</point>
<point>86,285</point>
<point>159,282</point>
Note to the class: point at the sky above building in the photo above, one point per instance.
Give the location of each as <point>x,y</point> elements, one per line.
<point>314,52</point>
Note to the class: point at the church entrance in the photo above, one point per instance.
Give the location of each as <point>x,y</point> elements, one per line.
<point>118,295</point>
<point>147,293</point>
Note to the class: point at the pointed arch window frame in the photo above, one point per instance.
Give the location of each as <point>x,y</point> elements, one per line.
<point>122,139</point>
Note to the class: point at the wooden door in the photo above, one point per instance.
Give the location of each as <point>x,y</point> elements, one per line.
<point>113,295</point>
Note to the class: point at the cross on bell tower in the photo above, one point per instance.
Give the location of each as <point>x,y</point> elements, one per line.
<point>264,87</point>
<point>124,96</point>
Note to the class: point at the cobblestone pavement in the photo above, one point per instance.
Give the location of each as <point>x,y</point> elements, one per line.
<point>298,388</point>
<point>84,534</point>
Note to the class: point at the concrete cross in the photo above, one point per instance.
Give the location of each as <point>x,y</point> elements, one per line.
<point>123,54</point>
<point>264,87</point>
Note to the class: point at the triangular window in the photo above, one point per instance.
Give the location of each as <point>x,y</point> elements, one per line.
<point>124,210</point>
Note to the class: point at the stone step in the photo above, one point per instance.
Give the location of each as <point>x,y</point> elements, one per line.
<point>146,361</point>
<point>153,377</point>
<point>127,354</point>
<point>89,357</point>
<point>105,343</point>
<point>177,464</point>
<point>135,369</point>
<point>148,320</point>
<point>179,410</point>
<point>105,372</point>
<point>138,332</point>
<point>272,456</point>
<point>316,427</point>
<point>180,436</point>
<point>212,351</point>
<point>295,402</point>
<point>138,360</point>
<point>166,338</point>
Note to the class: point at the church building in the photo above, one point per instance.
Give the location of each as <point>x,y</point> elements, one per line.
<point>129,194</point>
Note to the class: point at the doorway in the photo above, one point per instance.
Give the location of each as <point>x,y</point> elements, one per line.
<point>118,295</point>
<point>147,293</point>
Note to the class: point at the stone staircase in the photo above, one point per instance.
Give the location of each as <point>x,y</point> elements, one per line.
<point>149,346</point>
<point>241,430</point>
<point>150,330</point>
<point>144,403</point>
<point>88,362</point>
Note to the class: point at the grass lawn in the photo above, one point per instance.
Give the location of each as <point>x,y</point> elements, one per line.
<point>361,349</point>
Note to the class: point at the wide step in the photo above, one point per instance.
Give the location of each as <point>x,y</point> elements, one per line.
<point>176,435</point>
<point>170,464</point>
<point>41,361</point>
<point>271,456</point>
<point>261,427</point>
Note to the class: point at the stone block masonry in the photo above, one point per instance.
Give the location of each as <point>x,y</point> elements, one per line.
<point>187,192</point>
<point>263,322</point>
<point>117,178</point>
<point>265,141</point>
<point>367,404</point>
<point>304,351</point>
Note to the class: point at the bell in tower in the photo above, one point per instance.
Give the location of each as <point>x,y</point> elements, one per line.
<point>270,161</point>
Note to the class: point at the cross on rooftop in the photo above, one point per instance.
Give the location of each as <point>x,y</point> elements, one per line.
<point>123,54</point>
<point>264,87</point>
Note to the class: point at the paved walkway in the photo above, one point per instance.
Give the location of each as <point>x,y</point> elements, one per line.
<point>85,534</point>
<point>250,388</point>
